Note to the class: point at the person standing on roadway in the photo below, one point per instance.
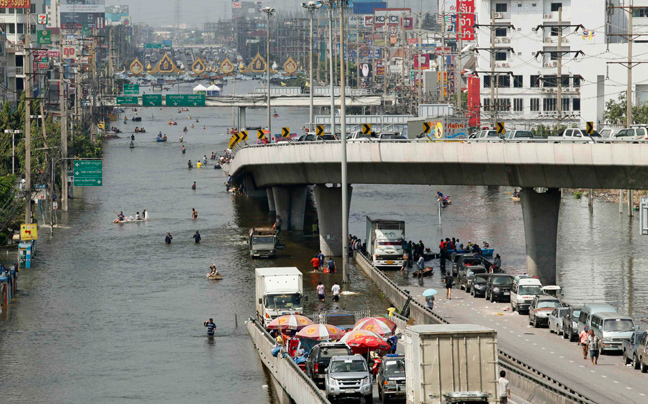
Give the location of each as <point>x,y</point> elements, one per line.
<point>316,263</point>
<point>320,257</point>
<point>582,339</point>
<point>168,238</point>
<point>594,346</point>
<point>197,237</point>
<point>420,265</point>
<point>211,327</point>
<point>331,266</point>
<point>448,284</point>
<point>335,292</point>
<point>503,390</point>
<point>320,291</point>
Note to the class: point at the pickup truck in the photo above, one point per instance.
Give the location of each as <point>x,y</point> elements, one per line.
<point>320,356</point>
<point>575,135</point>
<point>629,348</point>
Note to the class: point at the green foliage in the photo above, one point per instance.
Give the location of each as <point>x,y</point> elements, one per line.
<point>615,112</point>
<point>544,131</point>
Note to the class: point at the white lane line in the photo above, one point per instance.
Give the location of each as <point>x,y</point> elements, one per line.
<point>526,340</point>
<point>562,357</point>
<point>552,352</point>
<point>569,361</point>
<point>642,394</point>
<point>603,376</point>
<point>616,382</point>
<point>629,388</point>
<point>535,343</point>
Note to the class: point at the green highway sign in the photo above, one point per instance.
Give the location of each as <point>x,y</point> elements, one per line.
<point>45,37</point>
<point>85,30</point>
<point>131,89</point>
<point>152,46</point>
<point>88,173</point>
<point>185,100</point>
<point>127,100</point>
<point>152,100</point>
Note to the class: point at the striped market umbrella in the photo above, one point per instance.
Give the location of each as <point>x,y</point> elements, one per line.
<point>379,325</point>
<point>289,322</point>
<point>321,332</point>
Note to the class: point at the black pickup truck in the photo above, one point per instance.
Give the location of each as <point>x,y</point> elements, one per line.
<point>320,356</point>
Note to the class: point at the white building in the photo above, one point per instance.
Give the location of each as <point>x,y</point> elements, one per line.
<point>528,97</point>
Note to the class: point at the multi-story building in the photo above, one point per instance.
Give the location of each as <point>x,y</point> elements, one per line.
<point>526,59</point>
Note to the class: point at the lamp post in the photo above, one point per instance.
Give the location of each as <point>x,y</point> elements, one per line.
<point>311,6</point>
<point>268,12</point>
<point>13,147</point>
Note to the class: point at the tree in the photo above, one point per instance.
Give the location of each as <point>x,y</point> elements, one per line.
<point>615,112</point>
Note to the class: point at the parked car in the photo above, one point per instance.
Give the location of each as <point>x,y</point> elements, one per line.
<point>540,309</point>
<point>467,275</point>
<point>608,133</point>
<point>328,137</point>
<point>391,379</point>
<point>499,287</point>
<point>613,328</point>
<point>588,310</point>
<point>630,349</point>
<point>570,323</point>
<point>348,376</point>
<point>456,258</point>
<point>358,136</point>
<point>642,353</point>
<point>575,135</point>
<point>391,136</point>
<point>518,134</point>
<point>630,134</point>
<point>307,138</point>
<point>479,285</point>
<point>469,260</point>
<point>525,289</point>
<point>556,318</point>
<point>320,356</point>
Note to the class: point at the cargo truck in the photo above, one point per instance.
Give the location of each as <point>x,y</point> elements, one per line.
<point>262,242</point>
<point>456,360</point>
<point>441,128</point>
<point>385,242</point>
<point>278,291</point>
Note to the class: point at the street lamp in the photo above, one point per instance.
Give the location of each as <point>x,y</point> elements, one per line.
<point>268,12</point>
<point>13,148</point>
<point>311,6</point>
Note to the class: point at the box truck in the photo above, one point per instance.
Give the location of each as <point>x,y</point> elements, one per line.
<point>441,128</point>
<point>278,291</point>
<point>447,361</point>
<point>385,242</point>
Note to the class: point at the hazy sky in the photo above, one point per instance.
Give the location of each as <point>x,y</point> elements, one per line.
<point>197,12</point>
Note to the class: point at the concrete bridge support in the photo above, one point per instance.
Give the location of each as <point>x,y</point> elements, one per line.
<point>329,216</point>
<point>290,206</point>
<point>250,187</point>
<point>241,118</point>
<point>270,196</point>
<point>540,212</point>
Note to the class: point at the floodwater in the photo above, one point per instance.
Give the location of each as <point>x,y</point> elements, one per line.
<point>112,314</point>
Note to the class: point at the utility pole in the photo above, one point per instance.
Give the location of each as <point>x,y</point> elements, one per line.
<point>345,185</point>
<point>559,69</point>
<point>442,65</point>
<point>28,97</point>
<point>268,11</point>
<point>64,128</point>
<point>493,79</point>
<point>310,8</point>
<point>458,80</point>
<point>331,63</point>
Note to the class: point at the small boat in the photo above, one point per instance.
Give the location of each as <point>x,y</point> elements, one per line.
<point>515,198</point>
<point>128,221</point>
<point>161,139</point>
<point>217,167</point>
<point>137,119</point>
<point>275,116</point>
<point>487,252</point>
<point>215,277</point>
<point>113,136</point>
<point>173,123</point>
<point>131,146</point>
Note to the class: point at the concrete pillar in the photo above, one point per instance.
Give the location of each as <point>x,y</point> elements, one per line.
<point>282,205</point>
<point>620,201</point>
<point>270,196</point>
<point>250,188</point>
<point>241,118</point>
<point>540,212</point>
<point>329,216</point>
<point>630,213</point>
<point>298,207</point>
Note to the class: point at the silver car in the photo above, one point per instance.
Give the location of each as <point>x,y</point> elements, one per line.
<point>556,318</point>
<point>348,376</point>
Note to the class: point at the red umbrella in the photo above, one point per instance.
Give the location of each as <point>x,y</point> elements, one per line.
<point>320,332</point>
<point>289,322</point>
<point>362,341</point>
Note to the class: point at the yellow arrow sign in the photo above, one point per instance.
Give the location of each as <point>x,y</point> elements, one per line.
<point>500,128</point>
<point>319,130</point>
<point>285,132</point>
<point>590,128</point>
<point>244,136</point>
<point>427,127</point>
<point>260,134</point>
<point>366,129</point>
<point>234,140</point>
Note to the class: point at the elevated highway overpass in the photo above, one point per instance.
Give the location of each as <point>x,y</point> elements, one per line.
<point>540,169</point>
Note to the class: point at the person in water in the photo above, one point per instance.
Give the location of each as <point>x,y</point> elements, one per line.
<point>197,237</point>
<point>132,137</point>
<point>194,186</point>
<point>131,143</point>
<point>137,216</point>
<point>194,214</point>
<point>144,214</point>
<point>189,163</point>
<point>211,327</point>
<point>168,238</point>
<point>183,150</point>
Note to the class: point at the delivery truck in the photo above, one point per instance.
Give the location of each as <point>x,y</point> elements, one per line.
<point>441,128</point>
<point>385,242</point>
<point>446,361</point>
<point>279,291</point>
<point>262,242</point>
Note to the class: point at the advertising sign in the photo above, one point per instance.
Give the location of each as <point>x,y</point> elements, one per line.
<point>16,3</point>
<point>77,13</point>
<point>466,10</point>
<point>389,16</point>
<point>44,37</point>
<point>473,100</point>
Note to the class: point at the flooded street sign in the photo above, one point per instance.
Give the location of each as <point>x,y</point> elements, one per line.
<point>88,173</point>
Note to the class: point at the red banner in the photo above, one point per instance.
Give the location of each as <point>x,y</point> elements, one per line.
<point>425,59</point>
<point>15,3</point>
<point>473,101</point>
<point>466,11</point>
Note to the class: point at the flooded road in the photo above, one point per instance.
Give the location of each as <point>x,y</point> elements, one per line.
<point>112,314</point>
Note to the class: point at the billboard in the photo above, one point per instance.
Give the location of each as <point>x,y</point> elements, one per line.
<point>15,3</point>
<point>391,17</point>
<point>466,11</point>
<point>116,14</point>
<point>76,14</point>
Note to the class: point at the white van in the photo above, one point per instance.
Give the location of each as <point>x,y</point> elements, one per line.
<point>613,329</point>
<point>585,316</point>
<point>525,288</point>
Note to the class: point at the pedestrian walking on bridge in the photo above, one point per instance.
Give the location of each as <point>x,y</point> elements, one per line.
<point>448,284</point>
<point>503,390</point>
<point>582,339</point>
<point>594,346</point>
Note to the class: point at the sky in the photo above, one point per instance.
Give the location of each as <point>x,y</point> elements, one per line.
<point>197,12</point>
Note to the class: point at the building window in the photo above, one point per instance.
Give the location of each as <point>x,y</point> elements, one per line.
<point>553,55</point>
<point>504,81</point>
<point>12,28</point>
<point>548,104</point>
<point>549,81</point>
<point>518,104</point>
<point>500,32</point>
<point>518,82</point>
<point>3,11</point>
<point>535,104</point>
<point>32,9</point>
<point>577,80</point>
<point>487,81</point>
<point>501,7</point>
<point>565,81</point>
<point>535,81</point>
<point>499,56</point>
<point>576,104</point>
<point>554,31</point>
<point>21,28</point>
<point>556,6</point>
<point>565,104</point>
<point>640,12</point>
<point>486,104</point>
<point>503,104</point>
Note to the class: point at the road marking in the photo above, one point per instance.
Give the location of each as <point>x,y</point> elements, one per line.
<point>616,382</point>
<point>526,340</point>
<point>629,388</point>
<point>544,348</point>
<point>593,371</point>
<point>552,352</point>
<point>603,376</point>
<point>569,361</point>
<point>642,394</point>
<point>582,366</point>
<point>535,343</point>
<point>562,357</point>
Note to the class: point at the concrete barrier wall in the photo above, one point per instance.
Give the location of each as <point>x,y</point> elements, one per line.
<point>290,377</point>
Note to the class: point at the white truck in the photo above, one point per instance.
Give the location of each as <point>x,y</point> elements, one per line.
<point>279,291</point>
<point>441,128</point>
<point>385,242</point>
<point>454,360</point>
